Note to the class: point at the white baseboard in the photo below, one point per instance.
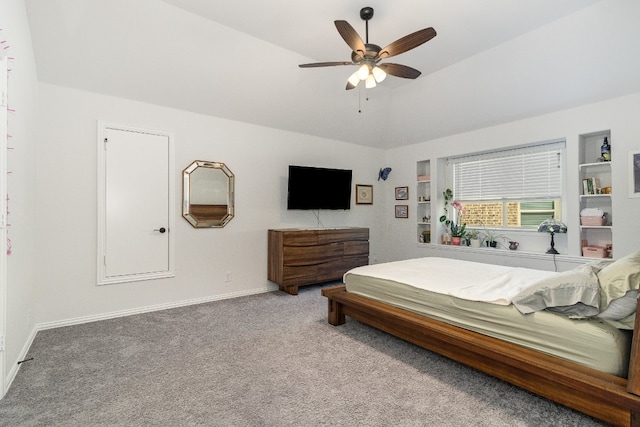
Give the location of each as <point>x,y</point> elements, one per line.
<point>15,367</point>
<point>147,309</point>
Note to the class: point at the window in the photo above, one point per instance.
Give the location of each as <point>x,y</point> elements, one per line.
<point>533,213</point>
<point>515,188</point>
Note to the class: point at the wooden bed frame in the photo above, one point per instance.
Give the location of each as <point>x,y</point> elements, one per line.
<point>604,396</point>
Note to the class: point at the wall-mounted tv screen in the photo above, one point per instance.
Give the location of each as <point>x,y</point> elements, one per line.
<point>319,188</point>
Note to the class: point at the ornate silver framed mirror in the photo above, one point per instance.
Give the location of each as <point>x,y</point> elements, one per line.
<point>207,194</point>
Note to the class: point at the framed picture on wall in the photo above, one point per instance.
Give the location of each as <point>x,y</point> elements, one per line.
<point>402,193</point>
<point>364,194</point>
<point>402,211</point>
<point>634,174</point>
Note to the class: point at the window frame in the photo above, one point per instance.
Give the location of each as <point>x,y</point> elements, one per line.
<point>559,199</point>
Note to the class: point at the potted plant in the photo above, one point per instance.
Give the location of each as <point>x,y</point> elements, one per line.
<point>452,226</point>
<point>457,232</point>
<point>473,237</point>
<point>491,237</point>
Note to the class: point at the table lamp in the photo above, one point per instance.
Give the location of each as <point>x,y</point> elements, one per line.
<point>552,226</point>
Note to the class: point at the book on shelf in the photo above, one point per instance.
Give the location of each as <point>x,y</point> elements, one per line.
<point>589,185</point>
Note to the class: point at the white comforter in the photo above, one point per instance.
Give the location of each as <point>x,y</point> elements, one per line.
<point>468,280</point>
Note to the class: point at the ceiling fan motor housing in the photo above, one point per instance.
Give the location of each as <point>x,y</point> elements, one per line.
<point>372,51</point>
<point>366,13</point>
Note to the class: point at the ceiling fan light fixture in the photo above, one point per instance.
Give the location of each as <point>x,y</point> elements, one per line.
<point>370,82</point>
<point>354,80</point>
<point>363,72</point>
<point>378,74</point>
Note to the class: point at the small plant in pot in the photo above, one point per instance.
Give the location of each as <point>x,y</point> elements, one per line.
<point>491,237</point>
<point>473,237</point>
<point>457,232</point>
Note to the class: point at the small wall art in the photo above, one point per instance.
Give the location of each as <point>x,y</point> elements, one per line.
<point>402,211</point>
<point>402,193</point>
<point>364,194</point>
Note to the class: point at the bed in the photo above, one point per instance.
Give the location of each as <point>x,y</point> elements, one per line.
<point>512,324</point>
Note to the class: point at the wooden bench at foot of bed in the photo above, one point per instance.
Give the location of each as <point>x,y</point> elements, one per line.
<point>601,395</point>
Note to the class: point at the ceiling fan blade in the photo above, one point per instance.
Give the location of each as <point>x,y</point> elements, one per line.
<point>324,64</point>
<point>399,70</point>
<point>351,37</point>
<point>407,43</point>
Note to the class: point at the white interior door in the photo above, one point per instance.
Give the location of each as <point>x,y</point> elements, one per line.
<point>137,204</point>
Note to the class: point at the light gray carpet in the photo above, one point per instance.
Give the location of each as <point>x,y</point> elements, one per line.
<point>262,360</point>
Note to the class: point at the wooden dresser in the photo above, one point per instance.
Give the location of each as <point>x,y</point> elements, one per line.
<point>299,257</point>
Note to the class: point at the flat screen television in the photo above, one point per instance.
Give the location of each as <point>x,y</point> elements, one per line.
<point>318,188</point>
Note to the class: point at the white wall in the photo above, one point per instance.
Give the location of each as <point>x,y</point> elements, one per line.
<point>619,115</point>
<point>22,88</point>
<point>259,158</point>
<point>581,58</point>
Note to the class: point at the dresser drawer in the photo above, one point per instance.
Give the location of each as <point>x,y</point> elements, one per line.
<point>300,275</point>
<point>335,269</point>
<point>308,255</point>
<point>300,238</point>
<point>356,248</point>
<point>343,235</point>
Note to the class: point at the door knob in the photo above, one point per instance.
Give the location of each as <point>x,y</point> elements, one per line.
<point>161,229</point>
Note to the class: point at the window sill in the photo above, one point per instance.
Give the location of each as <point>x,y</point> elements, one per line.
<point>507,252</point>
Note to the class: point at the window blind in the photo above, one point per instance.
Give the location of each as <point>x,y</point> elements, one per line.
<point>533,172</point>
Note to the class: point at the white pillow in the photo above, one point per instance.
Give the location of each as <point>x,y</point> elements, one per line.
<point>619,277</point>
<point>574,293</point>
<point>622,307</point>
<point>598,264</point>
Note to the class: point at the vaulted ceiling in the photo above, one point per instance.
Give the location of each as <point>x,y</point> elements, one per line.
<point>492,61</point>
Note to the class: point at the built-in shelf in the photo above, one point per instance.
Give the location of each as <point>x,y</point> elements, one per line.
<point>595,196</point>
<point>423,201</point>
<point>593,169</point>
<point>603,165</point>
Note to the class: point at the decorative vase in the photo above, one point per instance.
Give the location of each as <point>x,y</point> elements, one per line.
<point>474,243</point>
<point>513,245</point>
<point>455,241</point>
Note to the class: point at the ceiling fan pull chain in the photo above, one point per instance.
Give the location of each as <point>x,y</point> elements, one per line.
<point>366,98</point>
